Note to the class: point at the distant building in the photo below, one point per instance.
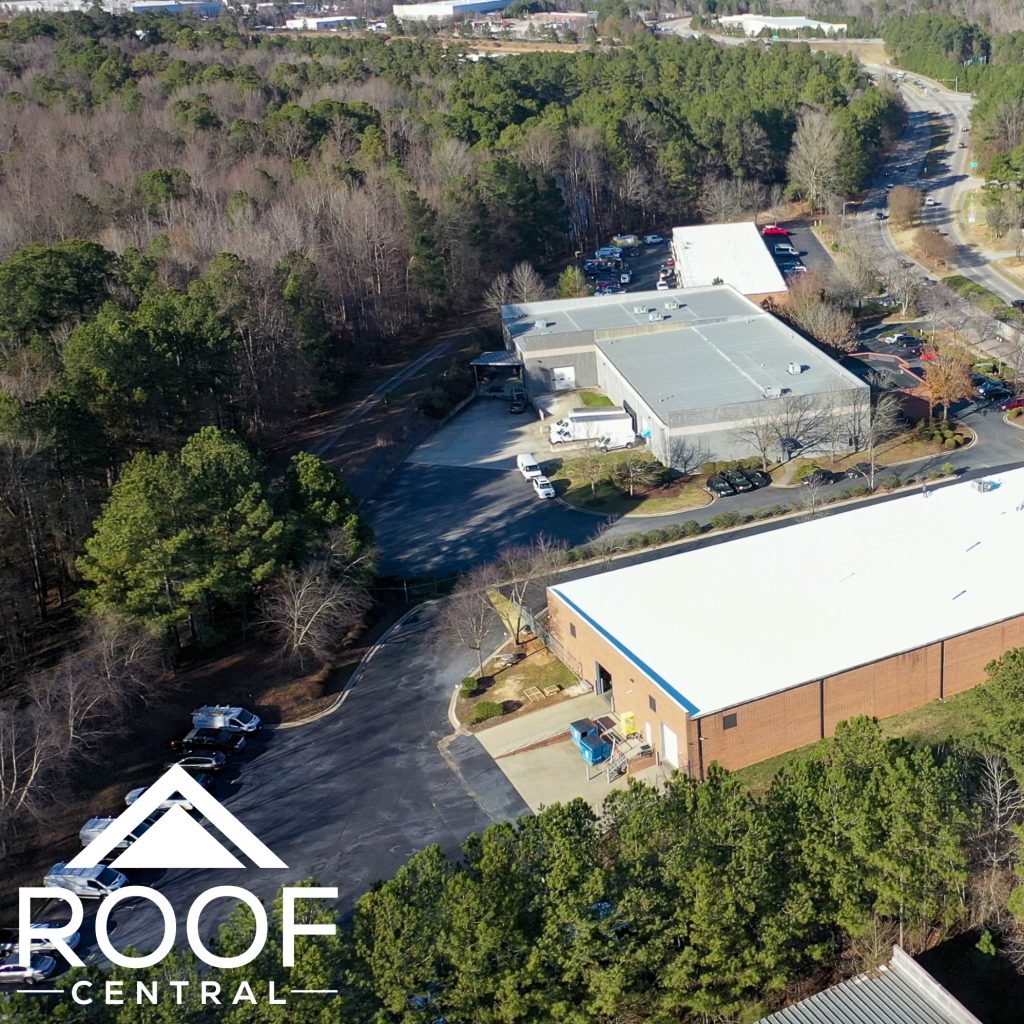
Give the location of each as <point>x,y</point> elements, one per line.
<point>755,24</point>
<point>692,364</point>
<point>204,8</point>
<point>447,9</point>
<point>902,990</point>
<point>733,254</point>
<point>321,24</point>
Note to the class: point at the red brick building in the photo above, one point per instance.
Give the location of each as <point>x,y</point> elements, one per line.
<point>744,648</point>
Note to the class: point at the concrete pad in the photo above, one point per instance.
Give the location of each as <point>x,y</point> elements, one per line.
<point>540,725</point>
<point>556,773</point>
<point>484,435</point>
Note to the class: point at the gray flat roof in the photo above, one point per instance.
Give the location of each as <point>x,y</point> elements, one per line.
<point>731,362</point>
<point>704,348</point>
<point>609,312</point>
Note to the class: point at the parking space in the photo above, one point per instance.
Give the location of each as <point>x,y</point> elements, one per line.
<point>484,435</point>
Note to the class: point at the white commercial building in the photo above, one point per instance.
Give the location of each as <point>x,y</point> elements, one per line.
<point>447,10</point>
<point>321,24</point>
<point>733,254</point>
<point>755,24</point>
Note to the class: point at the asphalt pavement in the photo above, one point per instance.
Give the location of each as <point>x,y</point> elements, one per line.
<point>348,799</point>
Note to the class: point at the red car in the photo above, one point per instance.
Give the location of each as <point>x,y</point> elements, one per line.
<point>929,356</point>
<point>774,229</point>
<point>1013,403</point>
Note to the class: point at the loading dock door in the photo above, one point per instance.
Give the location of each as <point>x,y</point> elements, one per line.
<point>669,746</point>
<point>563,378</point>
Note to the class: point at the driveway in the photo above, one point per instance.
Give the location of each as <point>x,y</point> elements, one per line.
<point>348,799</point>
<point>459,500</point>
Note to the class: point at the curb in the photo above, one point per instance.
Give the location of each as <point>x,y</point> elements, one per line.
<point>352,680</point>
<point>452,717</point>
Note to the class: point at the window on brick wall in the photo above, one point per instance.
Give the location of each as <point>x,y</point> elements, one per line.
<point>652,703</point>
<point>572,629</point>
<point>728,721</point>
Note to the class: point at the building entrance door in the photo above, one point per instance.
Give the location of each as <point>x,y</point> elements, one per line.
<point>669,746</point>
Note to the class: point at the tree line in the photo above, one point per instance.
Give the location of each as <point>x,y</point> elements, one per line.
<point>701,901</point>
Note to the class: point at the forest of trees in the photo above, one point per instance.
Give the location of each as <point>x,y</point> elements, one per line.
<point>203,228</point>
<point>700,902</point>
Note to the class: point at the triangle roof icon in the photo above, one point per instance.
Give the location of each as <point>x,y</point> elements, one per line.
<point>165,849</point>
<point>177,840</point>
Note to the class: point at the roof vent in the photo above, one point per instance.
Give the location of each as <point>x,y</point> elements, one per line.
<point>671,304</point>
<point>795,369</point>
<point>771,392</point>
<point>540,325</point>
<point>654,316</point>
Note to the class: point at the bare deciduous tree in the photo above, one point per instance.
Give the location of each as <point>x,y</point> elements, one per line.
<point>903,285</point>
<point>1002,808</point>
<point>308,611</point>
<point>905,206</point>
<point>499,293</point>
<point>468,615</point>
<point>935,245</point>
<point>685,456</point>
<point>813,164</point>
<point>523,570</point>
<point>762,434</point>
<point>527,285</point>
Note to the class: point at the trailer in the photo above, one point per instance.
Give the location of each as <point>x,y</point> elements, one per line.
<point>609,427</point>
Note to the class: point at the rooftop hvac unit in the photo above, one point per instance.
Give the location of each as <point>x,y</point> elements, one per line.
<point>771,392</point>
<point>540,325</point>
<point>639,310</point>
<point>671,304</point>
<point>654,317</point>
<point>983,485</point>
<point>795,368</point>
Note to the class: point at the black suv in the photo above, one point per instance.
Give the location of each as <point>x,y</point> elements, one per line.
<point>758,477</point>
<point>719,486</point>
<point>211,739</point>
<point>739,480</point>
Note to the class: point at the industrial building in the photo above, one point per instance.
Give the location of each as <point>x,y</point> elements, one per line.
<point>755,24</point>
<point>693,365</point>
<point>325,24</point>
<point>753,646</point>
<point>446,11</point>
<point>899,992</point>
<point>733,254</point>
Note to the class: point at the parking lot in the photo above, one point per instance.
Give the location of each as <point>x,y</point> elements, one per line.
<point>459,500</point>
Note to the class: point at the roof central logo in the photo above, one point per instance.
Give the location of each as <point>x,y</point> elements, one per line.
<point>176,839</point>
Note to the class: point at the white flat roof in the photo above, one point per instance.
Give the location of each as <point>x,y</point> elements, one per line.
<point>745,618</point>
<point>732,253</point>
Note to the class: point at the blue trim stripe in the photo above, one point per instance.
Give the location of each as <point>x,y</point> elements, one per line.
<point>622,649</point>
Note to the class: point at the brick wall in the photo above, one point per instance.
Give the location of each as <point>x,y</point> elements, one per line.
<point>966,656</point>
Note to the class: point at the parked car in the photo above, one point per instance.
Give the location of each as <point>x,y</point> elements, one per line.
<point>889,186</point>
<point>211,739</point>
<point>738,480</point>
<point>177,800</point>
<point>930,202</point>
<point>200,763</point>
<point>518,404</point>
<point>964,128</point>
<point>817,476</point>
<point>224,716</point>
<point>626,277</point>
<point>995,393</point>
<point>38,943</point>
<point>961,145</point>
<point>758,477</point>
<point>774,229</point>
<point>881,215</point>
<point>89,882</point>
<point>900,339</point>
<point>906,264</point>
<point>719,486</point>
<point>785,249</point>
<point>862,471</point>
<point>653,240</point>
<point>794,268</point>
<point>662,285</point>
<point>528,466</point>
<point>95,827</point>
<point>543,487</point>
<point>1013,403</point>
<point>1017,304</point>
<point>39,969</point>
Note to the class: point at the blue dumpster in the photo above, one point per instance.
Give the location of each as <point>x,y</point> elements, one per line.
<point>580,728</point>
<point>595,749</point>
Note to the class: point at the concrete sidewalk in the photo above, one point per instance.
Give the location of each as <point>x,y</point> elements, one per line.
<point>540,725</point>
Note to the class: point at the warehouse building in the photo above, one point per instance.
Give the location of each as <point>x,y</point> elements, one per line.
<point>750,647</point>
<point>733,254</point>
<point>692,365</point>
<point>755,24</point>
<point>446,11</point>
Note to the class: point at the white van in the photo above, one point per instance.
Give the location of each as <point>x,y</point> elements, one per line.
<point>94,882</point>
<point>529,466</point>
<point>221,716</point>
<point>785,249</point>
<point>95,827</point>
